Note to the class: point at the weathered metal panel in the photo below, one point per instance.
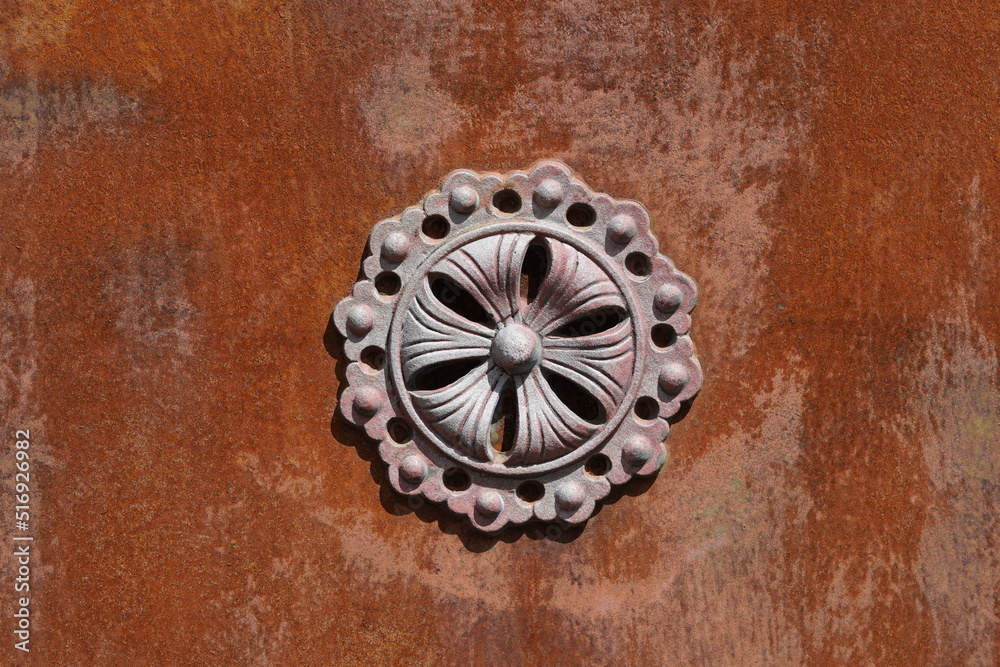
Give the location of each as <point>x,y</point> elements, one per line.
<point>186,189</point>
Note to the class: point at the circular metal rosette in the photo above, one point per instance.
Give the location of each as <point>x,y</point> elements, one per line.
<point>517,344</point>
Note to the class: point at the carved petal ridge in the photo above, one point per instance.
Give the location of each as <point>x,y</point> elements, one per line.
<point>463,411</point>
<point>601,363</point>
<point>490,271</point>
<point>574,287</point>
<point>545,428</point>
<point>434,334</point>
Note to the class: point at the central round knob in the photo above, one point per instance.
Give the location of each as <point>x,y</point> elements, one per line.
<point>516,349</point>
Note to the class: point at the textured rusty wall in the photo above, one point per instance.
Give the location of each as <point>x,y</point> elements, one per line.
<point>185,190</point>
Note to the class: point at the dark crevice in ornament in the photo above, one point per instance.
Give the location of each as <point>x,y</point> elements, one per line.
<point>435,227</point>
<point>387,283</point>
<point>576,398</point>
<point>507,201</point>
<point>443,374</point>
<point>638,264</point>
<point>530,491</point>
<point>534,268</point>
<point>598,465</point>
<point>594,322</point>
<point>504,429</point>
<point>399,431</point>
<point>581,215</point>
<point>373,358</point>
<point>457,299</point>
<point>456,479</point>
<point>647,408</point>
<point>663,336</point>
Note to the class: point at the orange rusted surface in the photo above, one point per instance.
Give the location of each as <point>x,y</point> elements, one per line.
<point>186,188</point>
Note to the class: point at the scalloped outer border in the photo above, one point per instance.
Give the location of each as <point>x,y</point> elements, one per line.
<point>668,375</point>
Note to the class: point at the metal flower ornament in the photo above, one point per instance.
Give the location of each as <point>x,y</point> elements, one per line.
<point>517,345</point>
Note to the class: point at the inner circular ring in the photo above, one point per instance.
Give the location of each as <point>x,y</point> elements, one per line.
<point>489,229</point>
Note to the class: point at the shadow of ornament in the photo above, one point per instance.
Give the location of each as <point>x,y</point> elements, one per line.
<point>517,345</point>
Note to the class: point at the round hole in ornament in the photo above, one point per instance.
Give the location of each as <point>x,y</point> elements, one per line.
<point>507,201</point>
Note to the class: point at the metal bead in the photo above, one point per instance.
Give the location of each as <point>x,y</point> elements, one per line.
<point>570,496</point>
<point>413,469</point>
<point>637,451</point>
<point>621,228</point>
<point>673,378</point>
<point>368,400</point>
<point>548,193</point>
<point>360,319</point>
<point>489,503</point>
<point>668,298</point>
<point>516,349</point>
<point>464,199</point>
<point>396,247</point>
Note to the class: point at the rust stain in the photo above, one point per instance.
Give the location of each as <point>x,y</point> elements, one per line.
<point>34,112</point>
<point>956,407</point>
<point>39,22</point>
<point>406,115</point>
<point>187,188</point>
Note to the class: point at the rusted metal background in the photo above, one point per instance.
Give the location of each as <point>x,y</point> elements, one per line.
<point>185,190</point>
